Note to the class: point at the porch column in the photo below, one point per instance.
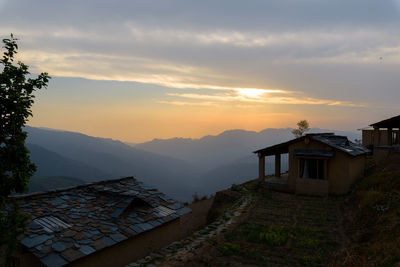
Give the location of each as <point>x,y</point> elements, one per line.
<point>376,137</point>
<point>389,136</point>
<point>277,165</point>
<point>398,136</point>
<point>261,167</point>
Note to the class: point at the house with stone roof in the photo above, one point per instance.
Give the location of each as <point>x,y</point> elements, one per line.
<point>319,164</point>
<point>108,223</point>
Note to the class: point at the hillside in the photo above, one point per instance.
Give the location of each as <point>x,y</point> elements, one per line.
<point>281,229</point>
<point>373,218</point>
<point>50,163</point>
<point>273,229</point>
<point>42,184</point>
<point>85,154</point>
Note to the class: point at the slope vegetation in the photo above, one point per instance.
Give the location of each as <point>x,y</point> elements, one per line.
<point>280,229</point>
<point>373,218</point>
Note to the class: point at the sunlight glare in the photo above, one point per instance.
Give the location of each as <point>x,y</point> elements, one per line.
<point>254,92</point>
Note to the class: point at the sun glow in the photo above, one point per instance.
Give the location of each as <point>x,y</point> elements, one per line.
<point>255,92</point>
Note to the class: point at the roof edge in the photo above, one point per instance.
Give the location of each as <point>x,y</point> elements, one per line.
<point>385,121</point>
<point>57,190</point>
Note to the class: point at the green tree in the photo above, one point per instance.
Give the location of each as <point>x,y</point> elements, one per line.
<point>302,127</point>
<point>17,86</point>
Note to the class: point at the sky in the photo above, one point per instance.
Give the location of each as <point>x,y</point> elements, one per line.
<point>138,70</point>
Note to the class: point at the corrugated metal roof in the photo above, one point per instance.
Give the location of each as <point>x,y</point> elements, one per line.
<point>51,224</point>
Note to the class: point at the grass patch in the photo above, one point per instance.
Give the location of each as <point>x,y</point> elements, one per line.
<point>310,260</point>
<point>370,198</point>
<point>271,235</point>
<point>228,249</point>
<point>306,238</point>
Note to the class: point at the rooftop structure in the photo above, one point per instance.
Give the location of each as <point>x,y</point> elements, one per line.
<point>69,224</point>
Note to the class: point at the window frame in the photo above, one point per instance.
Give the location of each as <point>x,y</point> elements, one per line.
<point>325,166</point>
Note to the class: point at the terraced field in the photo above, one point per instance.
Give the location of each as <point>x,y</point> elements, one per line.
<point>284,229</point>
<point>278,229</point>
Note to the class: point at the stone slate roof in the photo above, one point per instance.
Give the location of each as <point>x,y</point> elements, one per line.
<point>68,224</point>
<point>341,143</point>
<point>335,141</point>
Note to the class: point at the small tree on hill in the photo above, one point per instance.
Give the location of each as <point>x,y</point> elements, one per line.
<point>303,126</point>
<point>16,98</point>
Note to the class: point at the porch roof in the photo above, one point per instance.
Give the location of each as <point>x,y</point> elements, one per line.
<point>335,141</point>
<point>277,149</point>
<point>393,122</point>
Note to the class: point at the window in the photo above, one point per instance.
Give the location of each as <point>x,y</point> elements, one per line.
<point>395,138</point>
<point>312,168</point>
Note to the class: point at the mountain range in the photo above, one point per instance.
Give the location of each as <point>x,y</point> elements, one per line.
<point>178,166</point>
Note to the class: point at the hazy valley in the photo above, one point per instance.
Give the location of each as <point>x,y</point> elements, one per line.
<point>179,166</point>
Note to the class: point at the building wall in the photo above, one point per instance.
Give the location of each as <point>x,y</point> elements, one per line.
<point>27,259</point>
<point>312,187</point>
<point>342,171</point>
<point>376,137</point>
<point>122,253</point>
<point>367,139</point>
<point>357,168</point>
<point>138,247</point>
<point>196,219</point>
<point>131,249</point>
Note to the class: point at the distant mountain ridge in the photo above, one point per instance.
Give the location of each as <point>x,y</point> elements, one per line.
<point>110,157</point>
<point>178,166</point>
<point>226,147</point>
<point>50,163</point>
<point>43,184</point>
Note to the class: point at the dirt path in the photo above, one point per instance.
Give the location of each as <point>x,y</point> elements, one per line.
<point>177,253</point>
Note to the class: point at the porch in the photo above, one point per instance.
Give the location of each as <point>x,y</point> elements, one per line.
<point>276,183</point>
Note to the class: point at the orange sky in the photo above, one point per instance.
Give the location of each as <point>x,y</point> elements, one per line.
<point>137,70</point>
<point>130,114</point>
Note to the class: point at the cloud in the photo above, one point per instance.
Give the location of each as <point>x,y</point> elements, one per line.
<point>320,48</point>
<point>291,98</point>
<point>185,103</point>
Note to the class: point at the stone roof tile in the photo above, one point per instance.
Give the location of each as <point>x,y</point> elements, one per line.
<point>71,223</point>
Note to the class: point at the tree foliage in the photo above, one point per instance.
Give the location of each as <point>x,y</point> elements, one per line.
<point>17,86</point>
<point>302,127</point>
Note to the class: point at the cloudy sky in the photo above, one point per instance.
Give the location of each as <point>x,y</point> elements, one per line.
<point>137,70</point>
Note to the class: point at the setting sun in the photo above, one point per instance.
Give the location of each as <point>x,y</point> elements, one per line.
<point>255,92</point>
